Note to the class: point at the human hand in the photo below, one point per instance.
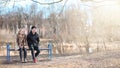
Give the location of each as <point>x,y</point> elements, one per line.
<point>20,46</point>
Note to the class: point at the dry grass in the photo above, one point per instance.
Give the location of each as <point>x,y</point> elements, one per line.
<point>7,36</point>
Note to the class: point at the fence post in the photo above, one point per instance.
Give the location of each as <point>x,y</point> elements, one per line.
<point>8,52</point>
<point>50,50</point>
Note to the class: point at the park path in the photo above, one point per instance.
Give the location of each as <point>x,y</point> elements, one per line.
<point>109,59</point>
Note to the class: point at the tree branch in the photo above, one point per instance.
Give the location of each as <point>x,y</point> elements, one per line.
<point>63,8</point>
<point>6,2</point>
<point>47,3</point>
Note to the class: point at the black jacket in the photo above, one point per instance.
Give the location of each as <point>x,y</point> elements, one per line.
<point>32,39</point>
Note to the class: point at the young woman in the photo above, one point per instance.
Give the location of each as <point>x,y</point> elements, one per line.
<point>21,41</point>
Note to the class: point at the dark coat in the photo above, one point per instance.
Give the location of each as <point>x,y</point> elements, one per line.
<point>32,39</point>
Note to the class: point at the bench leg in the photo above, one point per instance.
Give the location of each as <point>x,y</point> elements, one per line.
<point>8,53</point>
<point>50,51</point>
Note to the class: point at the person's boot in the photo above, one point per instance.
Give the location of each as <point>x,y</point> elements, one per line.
<point>34,60</point>
<point>21,60</point>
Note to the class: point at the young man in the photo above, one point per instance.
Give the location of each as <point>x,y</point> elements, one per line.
<point>33,42</point>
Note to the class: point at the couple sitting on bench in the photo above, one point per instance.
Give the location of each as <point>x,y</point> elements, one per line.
<point>32,40</point>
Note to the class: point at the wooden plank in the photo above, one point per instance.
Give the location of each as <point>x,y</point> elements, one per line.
<point>29,49</point>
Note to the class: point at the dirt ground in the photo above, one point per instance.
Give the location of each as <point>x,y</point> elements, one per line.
<point>109,59</point>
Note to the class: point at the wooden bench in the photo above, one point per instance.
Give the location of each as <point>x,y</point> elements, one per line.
<point>9,49</point>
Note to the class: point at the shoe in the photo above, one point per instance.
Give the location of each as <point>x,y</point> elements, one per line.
<point>34,60</point>
<point>21,61</point>
<point>25,60</point>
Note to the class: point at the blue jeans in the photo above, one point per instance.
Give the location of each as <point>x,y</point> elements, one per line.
<point>25,53</point>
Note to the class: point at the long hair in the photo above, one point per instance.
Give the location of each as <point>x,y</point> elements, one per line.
<point>19,34</point>
<point>19,31</point>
